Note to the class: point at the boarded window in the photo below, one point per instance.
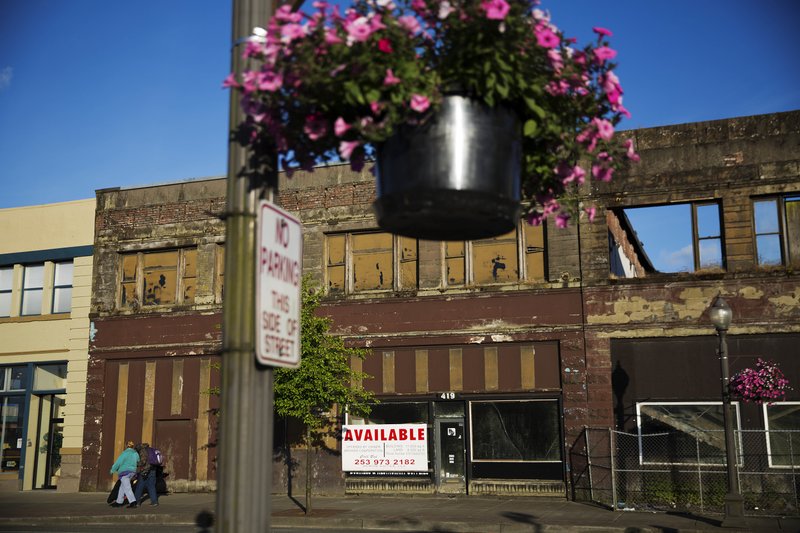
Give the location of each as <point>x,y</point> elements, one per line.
<point>534,252</point>
<point>336,263</point>
<point>370,261</point>
<point>495,260</point>
<point>455,262</point>
<point>158,278</point>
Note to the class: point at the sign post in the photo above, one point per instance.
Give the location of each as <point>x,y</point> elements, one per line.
<point>279,263</point>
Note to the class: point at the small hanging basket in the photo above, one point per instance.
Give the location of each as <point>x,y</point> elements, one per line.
<point>455,177</point>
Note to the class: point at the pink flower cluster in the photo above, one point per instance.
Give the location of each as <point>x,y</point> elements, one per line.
<point>763,384</point>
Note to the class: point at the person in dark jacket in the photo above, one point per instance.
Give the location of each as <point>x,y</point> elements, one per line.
<point>147,475</point>
<point>125,466</point>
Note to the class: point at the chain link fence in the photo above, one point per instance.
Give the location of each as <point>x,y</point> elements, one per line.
<point>680,471</point>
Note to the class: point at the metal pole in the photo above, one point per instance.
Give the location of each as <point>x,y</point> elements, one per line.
<point>244,474</point>
<point>734,503</point>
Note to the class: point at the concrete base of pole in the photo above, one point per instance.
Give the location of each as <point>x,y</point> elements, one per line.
<point>734,512</point>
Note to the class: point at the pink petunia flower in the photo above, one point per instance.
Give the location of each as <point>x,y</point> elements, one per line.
<point>604,52</point>
<point>358,30</point>
<point>602,31</point>
<point>375,107</point>
<point>315,126</point>
<point>602,173</point>
<point>419,103</point>
<point>410,23</point>
<point>591,212</point>
<point>230,81</point>
<point>390,78</point>
<point>630,152</point>
<point>445,9</point>
<point>495,9</point>
<point>605,130</point>
<point>545,36</point>
<point>562,220</point>
<point>331,37</point>
<point>269,81</point>
<point>340,127</point>
<point>385,46</point>
<point>346,148</point>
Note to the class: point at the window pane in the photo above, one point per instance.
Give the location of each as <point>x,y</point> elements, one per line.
<point>515,431</point>
<point>455,271</point>
<point>62,299</point>
<point>128,294</point>
<point>372,261</point>
<point>160,287</point>
<point>32,302</point>
<point>336,279</point>
<point>792,208</point>
<point>669,251</point>
<point>769,249</point>
<point>680,433</point>
<point>18,377</point>
<point>129,268</point>
<point>6,277</point>
<point>495,260</point>
<point>710,253</point>
<point>766,216</point>
<point>534,252</point>
<point>63,274</point>
<point>335,249</point>
<point>190,263</point>
<point>34,277</point>
<point>5,304</point>
<point>12,415</point>
<point>161,260</point>
<point>50,377</point>
<point>707,221</point>
<point>783,423</point>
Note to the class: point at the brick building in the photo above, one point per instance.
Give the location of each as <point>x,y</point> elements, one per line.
<point>506,348</point>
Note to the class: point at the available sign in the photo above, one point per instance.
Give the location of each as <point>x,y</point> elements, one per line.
<point>385,448</point>
<point>279,259</point>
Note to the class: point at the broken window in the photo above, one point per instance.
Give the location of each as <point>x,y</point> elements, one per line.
<point>158,278</point>
<point>497,260</point>
<point>777,230</point>
<point>667,238</point>
<point>783,434</point>
<point>370,261</point>
<point>515,431</point>
<point>680,433</point>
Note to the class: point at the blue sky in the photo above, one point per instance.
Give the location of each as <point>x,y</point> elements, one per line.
<point>99,93</point>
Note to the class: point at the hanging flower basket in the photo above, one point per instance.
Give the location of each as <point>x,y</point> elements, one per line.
<point>455,175</point>
<point>763,384</point>
<point>375,83</point>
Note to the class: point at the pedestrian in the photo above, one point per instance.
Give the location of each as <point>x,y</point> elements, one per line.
<point>147,475</point>
<point>125,467</point>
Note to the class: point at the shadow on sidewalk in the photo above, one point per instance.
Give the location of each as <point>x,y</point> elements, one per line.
<point>524,518</point>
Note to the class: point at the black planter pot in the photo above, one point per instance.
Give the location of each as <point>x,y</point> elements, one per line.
<point>454,178</point>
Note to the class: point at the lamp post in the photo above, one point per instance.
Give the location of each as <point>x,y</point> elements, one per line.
<point>721,315</point>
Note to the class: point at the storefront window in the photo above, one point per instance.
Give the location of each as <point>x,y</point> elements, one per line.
<point>515,431</point>
<point>13,378</point>
<point>12,415</point>
<point>783,434</point>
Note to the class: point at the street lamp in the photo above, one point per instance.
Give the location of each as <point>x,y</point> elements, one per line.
<point>721,314</point>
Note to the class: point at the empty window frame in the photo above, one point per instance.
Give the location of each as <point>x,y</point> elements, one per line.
<point>776,222</point>
<point>683,433</point>
<point>679,237</point>
<point>515,431</point>
<point>6,285</point>
<point>370,261</point>
<point>783,434</point>
<point>161,277</point>
<point>498,259</point>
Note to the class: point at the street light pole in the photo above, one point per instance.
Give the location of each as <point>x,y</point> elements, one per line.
<point>721,315</point>
<point>244,472</point>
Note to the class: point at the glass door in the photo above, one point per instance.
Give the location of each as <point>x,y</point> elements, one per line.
<point>450,478</point>
<point>49,437</point>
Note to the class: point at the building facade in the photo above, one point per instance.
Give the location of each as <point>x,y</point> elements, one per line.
<point>45,283</point>
<point>505,349</point>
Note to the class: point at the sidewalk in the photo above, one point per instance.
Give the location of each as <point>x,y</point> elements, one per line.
<point>464,514</point>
